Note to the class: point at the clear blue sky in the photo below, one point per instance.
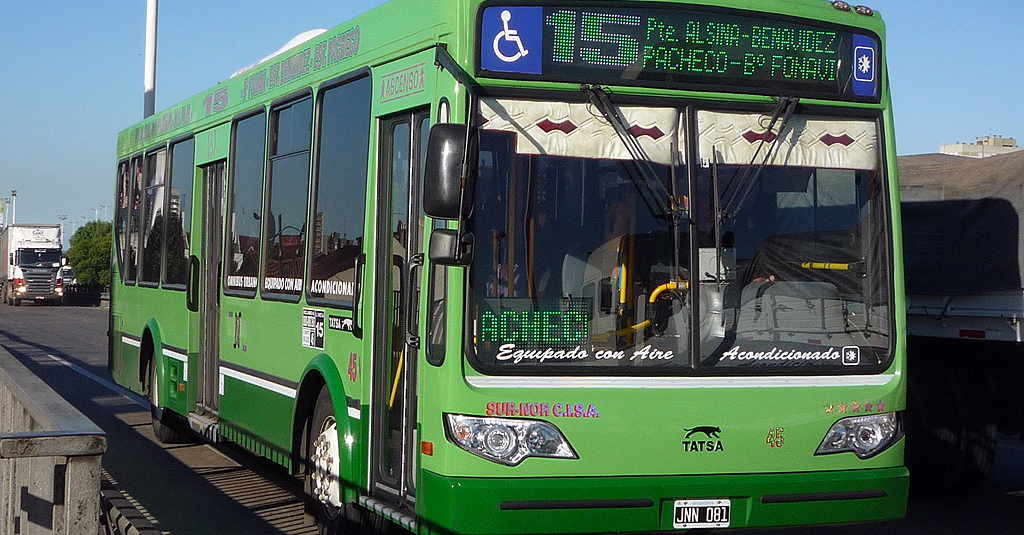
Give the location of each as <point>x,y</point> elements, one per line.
<point>71,77</point>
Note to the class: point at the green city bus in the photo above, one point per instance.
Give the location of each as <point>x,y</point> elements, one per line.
<point>534,267</point>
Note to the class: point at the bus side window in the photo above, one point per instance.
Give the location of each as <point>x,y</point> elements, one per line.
<point>437,313</point>
<point>153,211</point>
<point>178,227</point>
<point>245,198</point>
<point>284,228</point>
<point>339,192</point>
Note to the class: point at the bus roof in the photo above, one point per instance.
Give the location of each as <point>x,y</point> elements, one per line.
<point>319,55</point>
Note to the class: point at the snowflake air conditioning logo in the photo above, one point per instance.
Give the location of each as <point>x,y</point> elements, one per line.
<point>865,66</point>
<point>851,356</point>
<point>864,63</point>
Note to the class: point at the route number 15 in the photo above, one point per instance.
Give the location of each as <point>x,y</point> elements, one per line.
<point>216,101</point>
<point>607,48</point>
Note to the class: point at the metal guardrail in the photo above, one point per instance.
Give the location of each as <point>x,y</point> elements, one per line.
<point>50,457</point>
<point>119,515</point>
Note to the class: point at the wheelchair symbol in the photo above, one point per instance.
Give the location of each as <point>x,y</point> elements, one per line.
<point>511,36</point>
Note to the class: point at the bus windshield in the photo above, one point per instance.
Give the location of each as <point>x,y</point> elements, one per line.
<point>778,263</point>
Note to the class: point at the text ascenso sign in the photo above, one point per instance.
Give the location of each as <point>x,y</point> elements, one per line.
<point>677,48</point>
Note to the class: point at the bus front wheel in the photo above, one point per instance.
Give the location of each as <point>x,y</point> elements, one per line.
<point>322,485</point>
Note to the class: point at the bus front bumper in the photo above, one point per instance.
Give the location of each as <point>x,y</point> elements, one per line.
<point>646,504</point>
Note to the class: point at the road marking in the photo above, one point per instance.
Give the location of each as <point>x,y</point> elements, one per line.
<point>104,383</point>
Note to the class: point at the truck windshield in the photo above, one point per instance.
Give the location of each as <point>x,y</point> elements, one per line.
<point>779,264</point>
<point>39,257</point>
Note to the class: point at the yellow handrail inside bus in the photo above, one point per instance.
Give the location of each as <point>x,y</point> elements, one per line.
<point>622,284</point>
<point>635,328</point>
<point>398,375</point>
<point>674,285</point>
<point>826,265</point>
<point>685,285</point>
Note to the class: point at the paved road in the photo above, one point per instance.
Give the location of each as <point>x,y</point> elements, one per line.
<point>189,489</point>
<point>199,489</point>
<point>996,508</point>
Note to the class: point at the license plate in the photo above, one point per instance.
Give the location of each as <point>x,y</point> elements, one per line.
<point>690,514</point>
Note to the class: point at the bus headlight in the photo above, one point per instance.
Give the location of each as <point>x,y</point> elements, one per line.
<point>506,440</point>
<point>866,436</point>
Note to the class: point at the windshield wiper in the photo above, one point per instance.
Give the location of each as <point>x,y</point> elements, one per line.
<point>782,114</point>
<point>657,198</point>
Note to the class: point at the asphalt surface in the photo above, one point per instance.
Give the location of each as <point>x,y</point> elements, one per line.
<point>200,488</point>
<point>182,489</point>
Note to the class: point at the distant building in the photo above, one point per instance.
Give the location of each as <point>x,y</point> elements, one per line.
<point>983,147</point>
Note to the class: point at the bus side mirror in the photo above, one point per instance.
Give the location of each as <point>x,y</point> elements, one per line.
<point>442,182</point>
<point>447,248</point>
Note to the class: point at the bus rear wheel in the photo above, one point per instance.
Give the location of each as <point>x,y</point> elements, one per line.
<point>165,428</point>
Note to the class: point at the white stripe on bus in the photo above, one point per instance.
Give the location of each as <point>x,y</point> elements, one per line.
<point>180,358</point>
<point>679,382</point>
<point>256,381</point>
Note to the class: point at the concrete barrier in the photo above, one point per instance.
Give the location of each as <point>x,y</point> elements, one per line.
<point>50,456</point>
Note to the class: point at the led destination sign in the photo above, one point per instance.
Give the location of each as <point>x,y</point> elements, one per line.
<point>532,324</point>
<point>677,48</point>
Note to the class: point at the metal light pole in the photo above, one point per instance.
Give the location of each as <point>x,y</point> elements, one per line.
<point>62,217</point>
<point>14,205</point>
<point>149,100</point>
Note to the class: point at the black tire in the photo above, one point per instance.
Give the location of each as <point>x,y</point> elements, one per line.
<point>951,439</point>
<point>329,519</point>
<point>349,518</point>
<point>165,426</point>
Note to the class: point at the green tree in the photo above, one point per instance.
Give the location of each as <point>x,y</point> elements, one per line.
<point>90,253</point>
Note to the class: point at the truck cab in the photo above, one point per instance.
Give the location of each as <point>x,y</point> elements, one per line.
<point>33,255</point>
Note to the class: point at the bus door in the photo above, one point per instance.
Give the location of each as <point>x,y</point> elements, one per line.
<point>210,265</point>
<point>396,344</point>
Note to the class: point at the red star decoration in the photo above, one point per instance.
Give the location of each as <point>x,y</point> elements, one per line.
<point>844,140</point>
<point>752,136</point>
<point>548,126</point>
<point>654,132</point>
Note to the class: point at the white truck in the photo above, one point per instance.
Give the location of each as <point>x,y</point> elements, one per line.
<point>32,256</point>
<point>963,243</point>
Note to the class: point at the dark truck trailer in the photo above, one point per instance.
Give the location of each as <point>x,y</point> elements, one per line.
<point>963,250</point>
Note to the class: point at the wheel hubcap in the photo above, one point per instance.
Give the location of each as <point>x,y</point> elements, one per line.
<point>325,485</point>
